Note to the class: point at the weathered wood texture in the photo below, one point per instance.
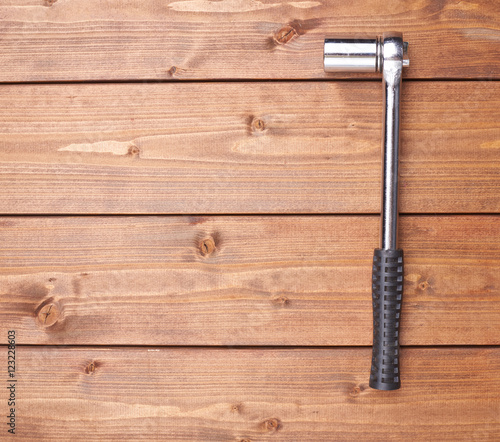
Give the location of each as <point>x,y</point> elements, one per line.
<point>242,280</point>
<point>254,395</point>
<point>245,148</point>
<point>54,40</point>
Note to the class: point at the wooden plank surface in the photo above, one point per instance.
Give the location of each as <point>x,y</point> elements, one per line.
<point>243,280</point>
<point>253,395</point>
<point>294,147</point>
<point>51,40</point>
<point>90,297</point>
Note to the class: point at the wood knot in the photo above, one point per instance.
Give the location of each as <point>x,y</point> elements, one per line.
<point>285,34</point>
<point>236,408</point>
<point>49,2</point>
<point>48,314</point>
<point>207,246</point>
<point>424,285</point>
<point>245,439</point>
<point>272,424</point>
<point>133,150</point>
<point>280,301</point>
<point>258,125</point>
<point>172,71</point>
<point>355,391</point>
<point>91,368</point>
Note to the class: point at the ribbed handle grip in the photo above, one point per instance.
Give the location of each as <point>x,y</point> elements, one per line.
<point>387,295</point>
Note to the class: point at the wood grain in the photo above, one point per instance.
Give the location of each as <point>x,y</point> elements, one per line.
<point>254,395</point>
<point>242,280</point>
<point>290,147</point>
<point>103,301</point>
<point>50,40</point>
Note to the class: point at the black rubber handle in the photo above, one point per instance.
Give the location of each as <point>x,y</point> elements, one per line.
<point>387,295</point>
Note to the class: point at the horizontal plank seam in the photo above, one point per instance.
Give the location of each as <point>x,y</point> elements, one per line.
<point>249,347</point>
<point>236,80</point>
<point>239,214</point>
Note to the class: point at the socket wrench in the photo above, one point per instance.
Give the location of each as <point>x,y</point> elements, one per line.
<point>385,55</point>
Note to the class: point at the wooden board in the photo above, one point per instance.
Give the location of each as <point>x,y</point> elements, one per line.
<point>253,395</point>
<point>242,280</point>
<point>193,323</point>
<point>245,148</point>
<point>51,40</point>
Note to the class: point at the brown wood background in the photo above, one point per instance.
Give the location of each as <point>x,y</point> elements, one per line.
<point>188,257</point>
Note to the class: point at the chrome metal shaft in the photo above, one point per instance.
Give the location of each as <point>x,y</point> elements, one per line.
<point>391,72</point>
<point>383,55</point>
